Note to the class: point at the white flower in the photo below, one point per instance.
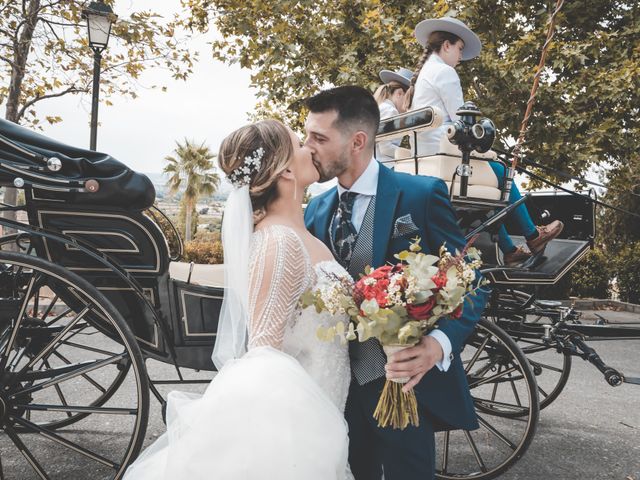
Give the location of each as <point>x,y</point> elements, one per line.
<point>241,176</point>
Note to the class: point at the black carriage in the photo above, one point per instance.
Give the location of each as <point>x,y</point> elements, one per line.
<point>90,291</point>
<point>510,362</point>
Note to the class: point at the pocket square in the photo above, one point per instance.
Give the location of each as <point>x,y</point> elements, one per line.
<point>404,226</point>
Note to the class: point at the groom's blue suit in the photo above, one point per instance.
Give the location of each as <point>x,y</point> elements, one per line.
<point>444,396</point>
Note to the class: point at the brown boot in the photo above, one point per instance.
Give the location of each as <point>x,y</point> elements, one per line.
<point>516,257</point>
<point>546,233</point>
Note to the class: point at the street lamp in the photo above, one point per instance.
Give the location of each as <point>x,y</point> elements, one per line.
<point>99,17</point>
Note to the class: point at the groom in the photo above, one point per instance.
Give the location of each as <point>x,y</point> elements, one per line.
<point>372,214</point>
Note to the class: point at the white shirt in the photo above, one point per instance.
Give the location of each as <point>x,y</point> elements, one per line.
<point>366,187</point>
<point>385,151</point>
<point>437,85</point>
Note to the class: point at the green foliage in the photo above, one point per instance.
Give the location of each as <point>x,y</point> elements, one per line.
<point>590,278</point>
<point>586,111</point>
<point>172,240</point>
<point>586,108</point>
<point>204,252</point>
<point>44,53</point>
<point>624,191</point>
<point>628,273</point>
<point>191,171</point>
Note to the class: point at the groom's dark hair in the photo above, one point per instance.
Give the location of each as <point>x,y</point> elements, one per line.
<point>356,108</point>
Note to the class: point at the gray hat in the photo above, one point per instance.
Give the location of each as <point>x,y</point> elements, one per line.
<point>402,76</point>
<point>472,44</point>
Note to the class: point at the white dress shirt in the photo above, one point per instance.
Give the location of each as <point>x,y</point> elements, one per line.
<point>366,187</point>
<point>437,85</point>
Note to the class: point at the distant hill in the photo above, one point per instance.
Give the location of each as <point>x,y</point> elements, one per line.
<point>159,181</point>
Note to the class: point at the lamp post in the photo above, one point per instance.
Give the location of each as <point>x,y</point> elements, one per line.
<point>99,17</point>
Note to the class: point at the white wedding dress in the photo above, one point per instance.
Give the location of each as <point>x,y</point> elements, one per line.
<point>277,412</point>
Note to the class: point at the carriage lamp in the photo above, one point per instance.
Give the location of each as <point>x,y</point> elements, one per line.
<point>470,133</point>
<point>100,18</point>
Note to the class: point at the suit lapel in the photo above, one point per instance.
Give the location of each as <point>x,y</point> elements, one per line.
<point>387,198</point>
<point>323,216</point>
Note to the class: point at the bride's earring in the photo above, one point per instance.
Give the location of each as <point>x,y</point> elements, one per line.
<point>295,188</point>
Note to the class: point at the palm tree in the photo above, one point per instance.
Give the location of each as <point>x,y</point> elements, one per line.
<point>192,167</point>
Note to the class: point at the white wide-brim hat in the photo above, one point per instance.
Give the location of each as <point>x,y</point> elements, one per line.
<point>472,44</point>
<point>402,76</point>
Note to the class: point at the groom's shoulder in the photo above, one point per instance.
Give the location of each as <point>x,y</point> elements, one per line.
<point>419,184</point>
<point>316,200</point>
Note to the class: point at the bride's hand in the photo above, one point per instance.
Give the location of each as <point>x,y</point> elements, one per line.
<point>414,362</point>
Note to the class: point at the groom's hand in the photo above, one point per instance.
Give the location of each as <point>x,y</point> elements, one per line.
<point>414,362</point>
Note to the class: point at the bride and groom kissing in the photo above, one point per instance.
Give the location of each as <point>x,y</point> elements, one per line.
<point>277,407</point>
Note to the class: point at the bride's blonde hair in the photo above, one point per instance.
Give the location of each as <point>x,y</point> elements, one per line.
<point>273,138</point>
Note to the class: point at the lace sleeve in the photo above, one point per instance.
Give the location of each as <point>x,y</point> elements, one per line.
<point>278,275</point>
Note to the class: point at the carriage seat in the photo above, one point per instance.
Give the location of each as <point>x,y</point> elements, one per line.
<point>206,275</point>
<point>483,182</point>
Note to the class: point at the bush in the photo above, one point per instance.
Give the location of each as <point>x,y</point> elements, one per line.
<point>204,235</point>
<point>628,273</point>
<point>203,252</point>
<point>172,239</point>
<point>589,278</point>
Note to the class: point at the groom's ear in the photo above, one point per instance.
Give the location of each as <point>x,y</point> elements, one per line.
<point>359,141</point>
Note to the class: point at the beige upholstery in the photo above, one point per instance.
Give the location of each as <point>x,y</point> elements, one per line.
<point>208,275</point>
<point>483,182</point>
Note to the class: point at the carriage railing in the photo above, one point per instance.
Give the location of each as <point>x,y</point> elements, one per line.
<point>42,178</point>
<point>414,122</point>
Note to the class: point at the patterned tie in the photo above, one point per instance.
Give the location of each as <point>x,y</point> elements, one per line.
<point>346,234</point>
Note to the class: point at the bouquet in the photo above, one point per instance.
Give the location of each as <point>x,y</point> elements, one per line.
<point>397,305</point>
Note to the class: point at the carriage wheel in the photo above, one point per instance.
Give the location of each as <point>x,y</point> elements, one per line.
<point>501,382</point>
<point>551,366</point>
<point>74,395</point>
<point>551,369</point>
<point>21,242</point>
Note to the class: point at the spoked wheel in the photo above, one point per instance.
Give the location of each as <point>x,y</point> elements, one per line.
<point>550,365</point>
<point>551,369</point>
<point>74,396</point>
<point>505,395</point>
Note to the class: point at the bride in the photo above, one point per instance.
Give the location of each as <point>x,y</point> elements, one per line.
<point>276,410</point>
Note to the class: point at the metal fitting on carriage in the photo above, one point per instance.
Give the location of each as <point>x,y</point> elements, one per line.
<point>54,164</point>
<point>464,170</point>
<point>547,333</point>
<point>18,182</point>
<point>91,185</point>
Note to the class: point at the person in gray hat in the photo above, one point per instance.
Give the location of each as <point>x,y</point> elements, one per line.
<point>390,99</point>
<point>447,42</point>
<point>390,95</point>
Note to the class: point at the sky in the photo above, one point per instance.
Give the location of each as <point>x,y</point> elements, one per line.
<point>214,100</point>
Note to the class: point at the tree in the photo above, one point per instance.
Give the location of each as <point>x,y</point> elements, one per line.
<point>44,54</point>
<point>588,105</point>
<point>193,218</point>
<point>191,167</point>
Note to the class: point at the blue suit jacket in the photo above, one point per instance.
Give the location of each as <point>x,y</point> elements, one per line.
<point>445,394</point>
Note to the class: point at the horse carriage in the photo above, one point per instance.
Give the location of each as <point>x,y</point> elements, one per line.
<point>89,292</point>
